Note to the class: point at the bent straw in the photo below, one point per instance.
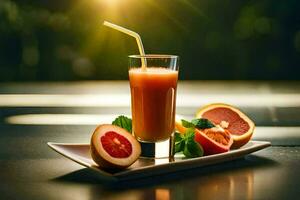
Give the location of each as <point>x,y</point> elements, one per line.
<point>133,34</point>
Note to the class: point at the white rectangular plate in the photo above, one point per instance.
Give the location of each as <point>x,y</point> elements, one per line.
<point>143,167</point>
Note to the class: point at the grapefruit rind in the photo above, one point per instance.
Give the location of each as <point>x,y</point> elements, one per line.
<point>238,140</point>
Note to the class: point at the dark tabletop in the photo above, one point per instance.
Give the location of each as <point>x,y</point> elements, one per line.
<point>32,114</point>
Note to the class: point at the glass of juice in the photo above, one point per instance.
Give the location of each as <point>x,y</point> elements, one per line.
<point>153,85</point>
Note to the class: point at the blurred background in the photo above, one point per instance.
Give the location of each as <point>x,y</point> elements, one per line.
<point>54,40</point>
<point>248,50</point>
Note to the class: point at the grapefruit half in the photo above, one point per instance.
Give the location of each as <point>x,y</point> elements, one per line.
<point>231,119</point>
<point>114,147</point>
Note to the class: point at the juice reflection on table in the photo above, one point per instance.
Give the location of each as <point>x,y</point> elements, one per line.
<point>153,102</point>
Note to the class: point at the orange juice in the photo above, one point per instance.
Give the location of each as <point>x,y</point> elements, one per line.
<point>153,102</point>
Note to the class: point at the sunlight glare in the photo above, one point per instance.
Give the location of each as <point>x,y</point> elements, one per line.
<point>60,119</point>
<point>110,2</point>
<point>123,100</point>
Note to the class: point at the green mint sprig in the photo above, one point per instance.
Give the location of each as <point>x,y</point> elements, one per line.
<point>187,145</point>
<point>200,123</point>
<point>123,122</point>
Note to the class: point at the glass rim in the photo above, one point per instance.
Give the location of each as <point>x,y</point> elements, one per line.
<point>153,56</point>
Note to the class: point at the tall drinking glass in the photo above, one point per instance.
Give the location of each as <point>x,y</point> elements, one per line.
<point>153,102</point>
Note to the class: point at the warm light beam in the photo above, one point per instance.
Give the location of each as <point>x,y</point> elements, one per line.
<point>60,119</point>
<point>123,100</point>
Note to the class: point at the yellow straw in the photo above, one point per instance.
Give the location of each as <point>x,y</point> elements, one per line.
<point>133,34</point>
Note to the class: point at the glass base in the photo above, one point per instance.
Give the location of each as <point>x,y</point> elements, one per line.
<point>164,149</point>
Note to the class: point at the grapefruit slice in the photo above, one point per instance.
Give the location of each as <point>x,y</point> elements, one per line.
<point>114,147</point>
<point>231,119</point>
<point>213,140</point>
<point>179,127</point>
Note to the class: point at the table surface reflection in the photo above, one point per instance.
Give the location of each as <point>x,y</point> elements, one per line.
<point>30,170</point>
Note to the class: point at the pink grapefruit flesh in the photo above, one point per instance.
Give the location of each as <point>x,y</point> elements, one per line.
<point>237,125</point>
<point>116,145</point>
<point>233,120</point>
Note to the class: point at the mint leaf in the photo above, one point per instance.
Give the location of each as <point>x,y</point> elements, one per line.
<point>123,122</point>
<point>189,133</point>
<point>202,123</point>
<point>179,142</point>
<point>192,149</point>
<point>179,146</point>
<point>177,137</point>
<point>197,123</point>
<point>186,144</point>
<point>187,124</point>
